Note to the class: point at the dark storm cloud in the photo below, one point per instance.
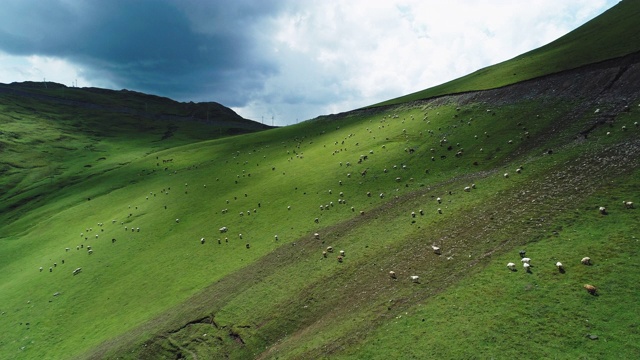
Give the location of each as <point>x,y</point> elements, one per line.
<point>179,49</point>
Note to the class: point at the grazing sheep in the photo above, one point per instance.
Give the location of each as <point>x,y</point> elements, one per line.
<point>340,259</point>
<point>316,235</point>
<point>329,249</point>
<point>586,260</point>
<point>392,274</point>
<point>202,241</point>
<point>603,210</point>
<point>77,271</point>
<point>439,200</point>
<point>439,211</point>
<point>50,269</point>
<point>627,204</point>
<point>381,195</point>
<point>90,252</point>
<point>341,252</point>
<point>223,229</point>
<point>436,249</point>
<point>324,254</point>
<point>527,267</point>
<point>316,220</point>
<point>506,175</point>
<point>560,266</point>
<point>413,214</point>
<point>177,220</point>
<point>415,278</point>
<point>40,268</point>
<point>467,188</point>
<point>526,260</point>
<point>66,249</point>
<point>590,289</point>
<point>511,266</point>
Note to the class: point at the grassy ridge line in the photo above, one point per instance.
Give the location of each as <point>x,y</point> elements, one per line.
<point>604,37</point>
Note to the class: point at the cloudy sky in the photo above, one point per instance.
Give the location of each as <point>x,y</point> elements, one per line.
<point>286,60</point>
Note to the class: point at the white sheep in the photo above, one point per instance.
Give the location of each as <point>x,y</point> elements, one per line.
<point>603,210</point>
<point>526,260</point>
<point>586,260</point>
<point>341,252</point>
<point>560,266</point>
<point>467,188</point>
<point>511,266</point>
<point>316,235</point>
<point>439,200</point>
<point>527,267</point>
<point>77,271</point>
<point>415,278</point>
<point>506,175</point>
<point>436,249</point>
<point>392,274</point>
<point>627,204</point>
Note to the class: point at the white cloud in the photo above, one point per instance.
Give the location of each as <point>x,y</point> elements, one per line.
<point>353,54</point>
<point>41,68</point>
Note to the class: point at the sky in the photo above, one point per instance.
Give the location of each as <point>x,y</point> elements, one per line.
<point>274,61</point>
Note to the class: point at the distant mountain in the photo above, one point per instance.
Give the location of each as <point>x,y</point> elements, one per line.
<point>132,103</point>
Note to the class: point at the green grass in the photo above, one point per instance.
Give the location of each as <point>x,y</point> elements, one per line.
<point>156,293</point>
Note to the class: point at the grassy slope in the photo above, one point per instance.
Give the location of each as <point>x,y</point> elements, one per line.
<point>286,298</point>
<point>61,140</point>
<point>602,38</point>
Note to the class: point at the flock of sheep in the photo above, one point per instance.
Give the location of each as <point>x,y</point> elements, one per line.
<point>341,198</point>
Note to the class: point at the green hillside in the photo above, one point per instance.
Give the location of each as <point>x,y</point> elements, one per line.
<point>52,136</point>
<point>480,175</point>
<point>605,37</point>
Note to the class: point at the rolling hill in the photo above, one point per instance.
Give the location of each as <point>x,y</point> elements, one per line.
<point>207,243</point>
